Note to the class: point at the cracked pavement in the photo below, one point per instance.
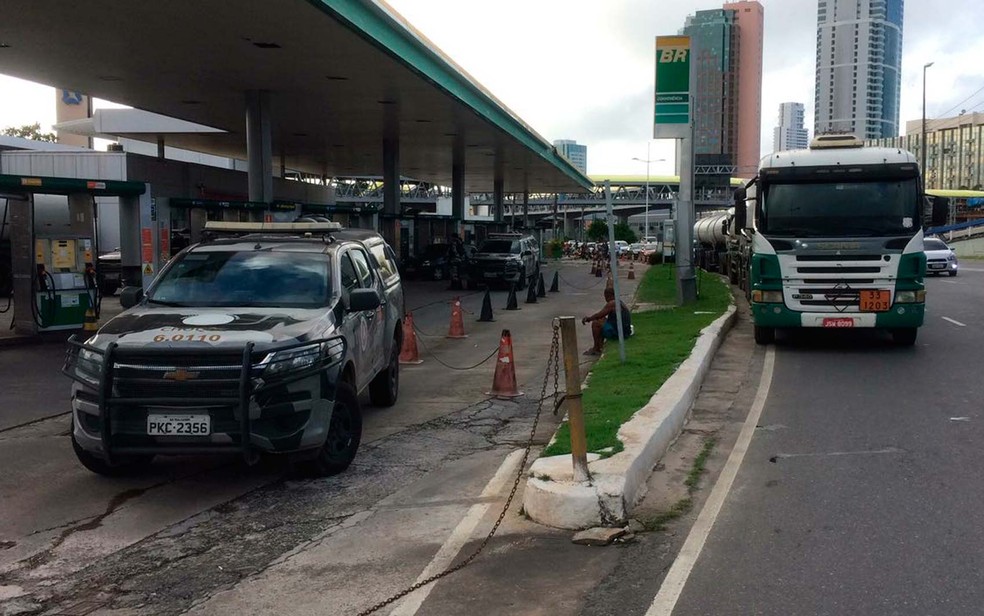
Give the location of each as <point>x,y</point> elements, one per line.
<point>202,534</point>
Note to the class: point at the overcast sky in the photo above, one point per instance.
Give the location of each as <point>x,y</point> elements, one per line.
<point>583,69</point>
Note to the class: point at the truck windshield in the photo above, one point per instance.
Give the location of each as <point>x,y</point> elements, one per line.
<point>841,209</point>
<point>247,279</point>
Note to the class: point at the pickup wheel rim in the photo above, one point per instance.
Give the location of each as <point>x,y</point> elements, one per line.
<point>340,432</point>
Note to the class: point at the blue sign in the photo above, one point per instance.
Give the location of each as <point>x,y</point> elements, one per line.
<point>71,97</point>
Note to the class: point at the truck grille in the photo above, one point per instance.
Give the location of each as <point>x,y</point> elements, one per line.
<point>178,376</point>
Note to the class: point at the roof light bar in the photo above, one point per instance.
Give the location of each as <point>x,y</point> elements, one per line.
<point>272,227</point>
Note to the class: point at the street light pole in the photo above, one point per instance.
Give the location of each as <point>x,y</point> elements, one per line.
<point>645,232</point>
<point>925,163</point>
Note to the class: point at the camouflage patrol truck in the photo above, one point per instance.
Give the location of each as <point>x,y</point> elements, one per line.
<point>254,343</point>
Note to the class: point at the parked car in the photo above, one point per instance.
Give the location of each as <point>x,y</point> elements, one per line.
<point>940,258</point>
<point>260,343</point>
<point>432,262</point>
<point>634,249</point>
<point>505,257</point>
<point>109,272</point>
<point>621,246</point>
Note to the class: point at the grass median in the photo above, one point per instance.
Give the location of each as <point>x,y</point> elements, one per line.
<point>663,340</point>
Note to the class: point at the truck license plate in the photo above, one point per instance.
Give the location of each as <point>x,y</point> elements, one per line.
<point>490,275</point>
<point>874,300</point>
<point>178,425</point>
<point>839,322</point>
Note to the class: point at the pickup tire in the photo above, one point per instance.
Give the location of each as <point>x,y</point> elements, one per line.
<point>385,388</point>
<point>121,466</point>
<point>344,435</point>
<point>765,335</point>
<point>521,283</point>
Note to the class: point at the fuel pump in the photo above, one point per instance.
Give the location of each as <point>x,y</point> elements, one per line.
<point>65,282</point>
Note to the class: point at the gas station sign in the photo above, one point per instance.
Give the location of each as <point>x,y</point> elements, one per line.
<point>672,103</point>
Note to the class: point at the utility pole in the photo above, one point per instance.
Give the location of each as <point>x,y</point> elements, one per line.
<point>925,163</point>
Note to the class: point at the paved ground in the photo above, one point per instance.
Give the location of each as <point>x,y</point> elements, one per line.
<point>203,534</point>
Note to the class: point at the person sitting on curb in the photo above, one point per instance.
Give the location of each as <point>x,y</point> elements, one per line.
<point>604,323</point>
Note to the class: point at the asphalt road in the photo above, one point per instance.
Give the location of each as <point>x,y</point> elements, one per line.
<point>864,493</point>
<point>206,534</point>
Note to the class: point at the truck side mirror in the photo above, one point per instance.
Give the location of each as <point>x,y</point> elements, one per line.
<point>939,210</point>
<point>741,211</point>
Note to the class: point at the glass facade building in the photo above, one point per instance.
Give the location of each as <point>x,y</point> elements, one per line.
<point>858,67</point>
<point>574,152</point>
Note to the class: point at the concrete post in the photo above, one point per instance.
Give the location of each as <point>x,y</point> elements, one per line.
<point>526,209</point>
<point>497,199</point>
<point>458,186</point>
<point>259,146</point>
<point>21,216</point>
<point>391,191</point>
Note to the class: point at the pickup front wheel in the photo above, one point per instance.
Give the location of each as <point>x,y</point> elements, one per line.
<point>344,434</point>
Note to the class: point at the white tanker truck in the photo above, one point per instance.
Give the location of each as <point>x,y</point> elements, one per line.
<point>711,237</point>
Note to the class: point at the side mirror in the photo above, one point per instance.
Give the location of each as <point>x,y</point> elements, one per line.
<point>741,211</point>
<point>130,297</point>
<point>363,299</point>
<point>939,210</point>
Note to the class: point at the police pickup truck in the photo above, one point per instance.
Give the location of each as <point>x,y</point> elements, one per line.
<point>257,340</point>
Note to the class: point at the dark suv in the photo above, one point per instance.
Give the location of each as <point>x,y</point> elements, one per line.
<point>505,257</point>
<point>253,344</point>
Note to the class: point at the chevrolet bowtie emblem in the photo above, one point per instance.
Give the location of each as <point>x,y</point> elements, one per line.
<point>180,375</point>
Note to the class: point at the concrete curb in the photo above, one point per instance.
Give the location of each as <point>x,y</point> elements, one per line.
<point>618,482</point>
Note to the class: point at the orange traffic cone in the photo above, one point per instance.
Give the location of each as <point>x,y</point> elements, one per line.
<point>504,381</point>
<point>457,328</point>
<point>408,354</point>
<point>631,271</point>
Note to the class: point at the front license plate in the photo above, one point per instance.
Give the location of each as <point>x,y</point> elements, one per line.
<point>179,425</point>
<point>878,300</point>
<point>491,275</point>
<point>937,265</point>
<point>839,322</point>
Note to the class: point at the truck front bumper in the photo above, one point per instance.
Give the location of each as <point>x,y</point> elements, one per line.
<point>779,316</point>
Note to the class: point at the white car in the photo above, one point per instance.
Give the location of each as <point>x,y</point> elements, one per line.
<point>940,258</point>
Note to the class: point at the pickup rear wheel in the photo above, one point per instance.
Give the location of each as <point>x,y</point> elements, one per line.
<point>344,434</point>
<point>385,388</point>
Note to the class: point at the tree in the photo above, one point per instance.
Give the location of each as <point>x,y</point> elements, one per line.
<point>29,131</point>
<point>598,231</point>
<point>625,233</point>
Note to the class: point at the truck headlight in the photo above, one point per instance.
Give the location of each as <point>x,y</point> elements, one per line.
<point>767,297</point>
<point>910,297</point>
<point>292,360</point>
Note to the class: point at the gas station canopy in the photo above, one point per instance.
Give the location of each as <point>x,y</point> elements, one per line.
<point>342,76</point>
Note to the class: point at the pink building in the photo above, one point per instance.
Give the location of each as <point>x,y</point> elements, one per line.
<point>750,19</point>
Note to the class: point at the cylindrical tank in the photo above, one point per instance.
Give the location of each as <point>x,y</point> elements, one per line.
<point>713,230</point>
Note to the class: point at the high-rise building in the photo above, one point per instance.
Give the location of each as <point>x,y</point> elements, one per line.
<point>750,19</point>
<point>954,150</point>
<point>858,76</point>
<point>790,134</point>
<point>574,152</point>
<point>726,48</point>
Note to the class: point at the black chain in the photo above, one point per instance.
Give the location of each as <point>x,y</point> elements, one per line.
<point>590,286</point>
<point>555,360</point>
<point>432,354</point>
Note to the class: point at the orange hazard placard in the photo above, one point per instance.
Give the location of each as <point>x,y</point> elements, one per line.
<point>147,245</point>
<point>165,243</point>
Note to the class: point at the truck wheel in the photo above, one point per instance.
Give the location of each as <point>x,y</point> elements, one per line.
<point>521,283</point>
<point>765,335</point>
<point>385,388</point>
<point>904,336</point>
<point>344,434</point>
<point>121,466</point>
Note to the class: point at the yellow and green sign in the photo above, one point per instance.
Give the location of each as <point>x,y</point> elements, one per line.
<point>672,82</point>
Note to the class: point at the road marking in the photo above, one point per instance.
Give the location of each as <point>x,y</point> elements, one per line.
<point>960,419</point>
<point>823,454</point>
<point>676,579</point>
<point>459,536</point>
<point>971,269</point>
<point>954,322</point>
